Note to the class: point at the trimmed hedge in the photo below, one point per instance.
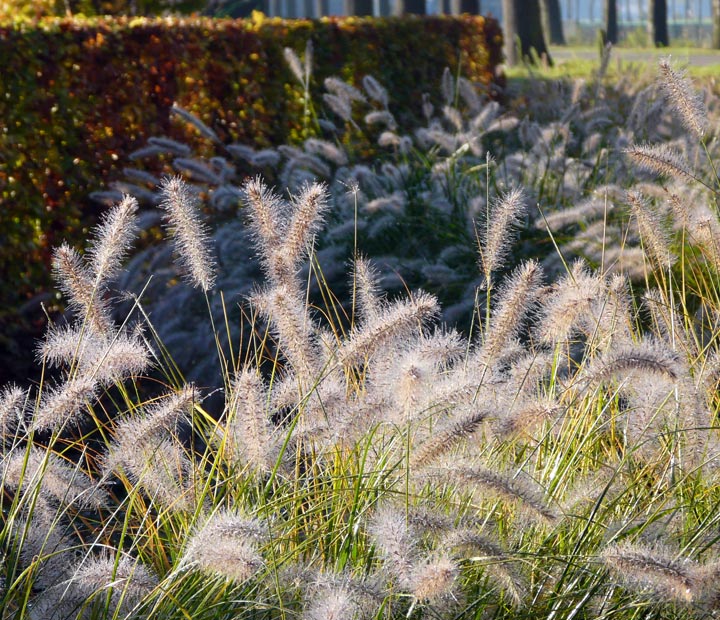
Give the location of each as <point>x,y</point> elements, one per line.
<point>77,96</point>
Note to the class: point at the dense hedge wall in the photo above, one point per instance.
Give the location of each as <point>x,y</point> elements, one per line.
<point>78,96</point>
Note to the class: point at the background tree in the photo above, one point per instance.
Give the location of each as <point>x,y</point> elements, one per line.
<point>716,23</point>
<point>552,21</point>
<point>404,7</point>
<point>510,32</point>
<point>455,7</point>
<point>359,7</point>
<point>611,21</point>
<point>657,23</point>
<point>530,30</point>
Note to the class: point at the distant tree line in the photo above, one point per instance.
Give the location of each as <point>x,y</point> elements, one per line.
<point>529,24</point>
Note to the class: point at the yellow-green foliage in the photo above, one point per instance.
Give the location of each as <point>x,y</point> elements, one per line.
<point>77,96</point>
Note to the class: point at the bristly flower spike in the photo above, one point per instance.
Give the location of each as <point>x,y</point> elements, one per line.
<point>504,213</point>
<point>76,282</point>
<point>226,544</point>
<point>114,236</point>
<point>683,98</point>
<point>191,237</point>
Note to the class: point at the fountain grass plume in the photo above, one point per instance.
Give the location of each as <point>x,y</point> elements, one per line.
<point>226,544</point>
<point>55,480</point>
<point>76,282</point>
<point>447,435</point>
<point>395,321</point>
<point>191,236</point>
<point>515,300</point>
<point>650,357</point>
<point>683,98</point>
<point>13,401</point>
<point>661,159</point>
<point>652,571</point>
<point>495,232</point>
<point>567,309</point>
<point>114,236</point>
<point>66,403</point>
<point>250,433</point>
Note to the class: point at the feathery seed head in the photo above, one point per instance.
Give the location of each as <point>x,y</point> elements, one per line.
<point>65,403</point>
<point>294,63</point>
<point>652,230</point>
<point>375,90</point>
<point>343,89</point>
<point>683,98</point>
<point>366,288</point>
<point>395,543</point>
<point>381,117</point>
<point>448,435</point>
<point>113,238</point>
<point>195,122</point>
<point>170,146</point>
<point>399,320</point>
<point>160,466</point>
<point>568,306</point>
<point>453,115</point>
<point>77,283</point>
<point>495,560</point>
<point>57,479</point>
<point>161,417</point>
<point>332,152</point>
<point>305,223</point>
<point>435,579</point>
<point>333,603</point>
<point>653,570</point>
<point>266,222</point>
<point>495,236</point>
<point>250,437</point>
<point>649,357</point>
<point>525,416</point>
<point>289,317</point>
<point>192,239</point>
<point>341,105</point>
<point>103,359</point>
<point>660,159</point>
<point>12,406</point>
<point>130,581</point>
<point>46,547</point>
<point>226,544</point>
<point>517,487</point>
<point>516,299</point>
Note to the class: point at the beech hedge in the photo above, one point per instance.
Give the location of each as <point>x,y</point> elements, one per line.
<point>78,95</point>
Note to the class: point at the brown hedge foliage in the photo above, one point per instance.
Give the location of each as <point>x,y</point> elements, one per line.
<point>76,96</point>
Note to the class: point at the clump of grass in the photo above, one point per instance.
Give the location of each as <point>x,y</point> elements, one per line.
<point>367,460</point>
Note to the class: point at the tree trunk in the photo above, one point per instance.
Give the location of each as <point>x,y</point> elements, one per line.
<point>509,32</point>
<point>657,23</point>
<point>405,7</point>
<point>530,30</point>
<point>359,7</point>
<point>611,22</point>
<point>470,6</point>
<point>716,24</point>
<point>552,21</point>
